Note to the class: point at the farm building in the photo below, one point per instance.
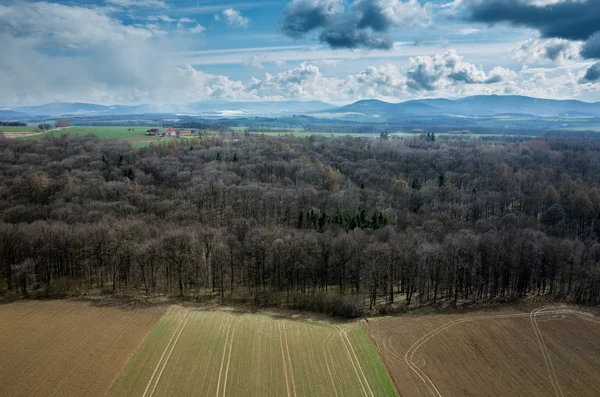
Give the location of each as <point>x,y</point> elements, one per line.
<point>177,133</point>
<point>188,132</point>
<point>171,132</point>
<point>153,132</point>
<point>63,123</point>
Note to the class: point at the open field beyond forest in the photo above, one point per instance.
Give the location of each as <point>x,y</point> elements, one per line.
<point>78,349</point>
<point>550,351</point>
<point>302,133</point>
<point>135,135</point>
<point>18,129</point>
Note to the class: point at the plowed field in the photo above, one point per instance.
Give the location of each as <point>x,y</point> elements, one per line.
<point>77,349</point>
<point>67,348</point>
<point>548,352</point>
<point>229,354</point>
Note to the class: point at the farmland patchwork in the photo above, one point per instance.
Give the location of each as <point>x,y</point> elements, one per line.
<point>77,349</point>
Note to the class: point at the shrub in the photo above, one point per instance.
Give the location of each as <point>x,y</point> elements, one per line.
<point>332,304</point>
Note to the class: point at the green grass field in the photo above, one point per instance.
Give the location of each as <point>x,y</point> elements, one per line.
<point>376,135</point>
<point>29,128</point>
<point>136,135</point>
<point>411,134</point>
<point>302,133</point>
<point>223,353</point>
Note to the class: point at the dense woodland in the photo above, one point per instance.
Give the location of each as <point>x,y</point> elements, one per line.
<point>12,124</point>
<point>335,225</point>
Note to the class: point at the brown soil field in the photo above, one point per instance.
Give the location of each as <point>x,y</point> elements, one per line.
<point>551,352</point>
<point>61,348</point>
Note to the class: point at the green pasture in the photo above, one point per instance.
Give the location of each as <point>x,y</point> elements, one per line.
<point>301,133</point>
<point>135,135</point>
<point>29,128</point>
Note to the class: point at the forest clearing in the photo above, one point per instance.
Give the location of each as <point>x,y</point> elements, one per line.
<point>549,351</point>
<point>75,349</point>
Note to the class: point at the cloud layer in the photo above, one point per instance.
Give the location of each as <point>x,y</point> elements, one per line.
<point>139,3</point>
<point>57,52</point>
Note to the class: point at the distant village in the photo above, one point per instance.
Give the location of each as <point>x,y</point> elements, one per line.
<point>173,132</point>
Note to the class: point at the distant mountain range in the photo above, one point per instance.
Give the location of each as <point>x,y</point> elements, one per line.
<point>211,109</point>
<point>474,106</point>
<point>482,105</point>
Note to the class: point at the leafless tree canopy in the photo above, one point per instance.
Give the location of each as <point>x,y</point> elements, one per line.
<point>317,223</point>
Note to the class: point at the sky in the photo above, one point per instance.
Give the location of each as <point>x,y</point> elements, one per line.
<point>335,51</point>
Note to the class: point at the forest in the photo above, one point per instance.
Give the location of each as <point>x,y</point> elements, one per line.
<point>12,124</point>
<point>341,225</point>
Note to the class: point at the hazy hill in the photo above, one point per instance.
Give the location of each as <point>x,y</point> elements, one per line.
<point>216,108</point>
<point>480,105</point>
<point>474,106</point>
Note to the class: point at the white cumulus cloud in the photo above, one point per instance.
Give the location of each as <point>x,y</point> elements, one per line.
<point>560,51</point>
<point>233,18</point>
<point>429,73</point>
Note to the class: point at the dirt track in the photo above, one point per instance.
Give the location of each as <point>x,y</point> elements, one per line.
<point>548,352</point>
<point>67,348</point>
<point>21,134</point>
<point>12,134</point>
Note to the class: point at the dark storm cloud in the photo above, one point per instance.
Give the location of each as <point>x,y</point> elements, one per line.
<point>303,16</point>
<point>365,24</point>
<point>344,34</point>
<point>567,19</point>
<point>370,14</point>
<point>591,48</point>
<point>556,49</point>
<point>593,73</point>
